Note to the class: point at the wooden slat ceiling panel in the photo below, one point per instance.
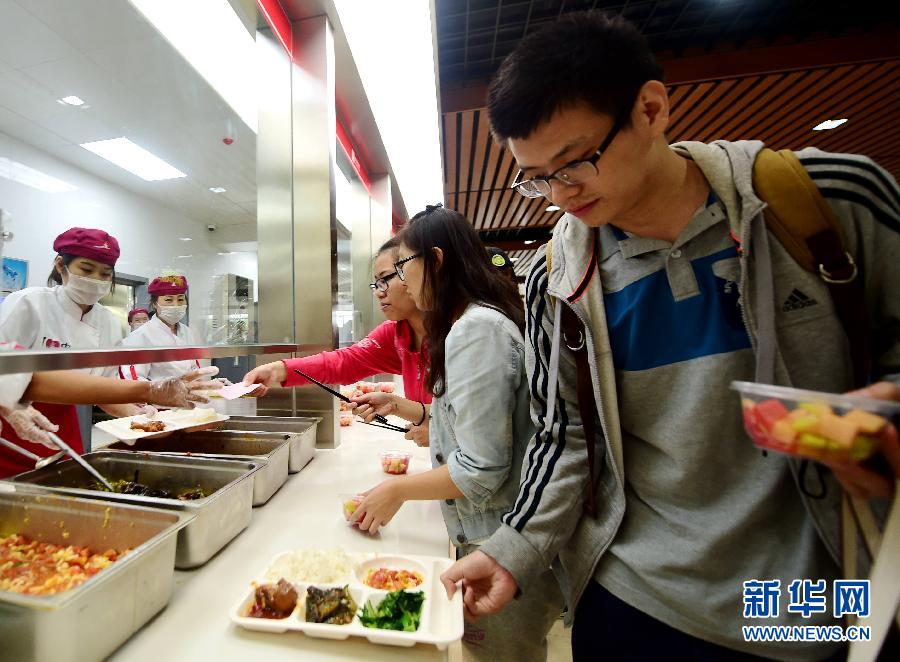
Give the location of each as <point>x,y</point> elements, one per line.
<point>779,109</point>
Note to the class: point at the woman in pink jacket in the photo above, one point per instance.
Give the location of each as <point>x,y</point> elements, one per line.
<point>395,347</point>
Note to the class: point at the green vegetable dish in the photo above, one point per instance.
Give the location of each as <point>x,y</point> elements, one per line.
<point>400,610</point>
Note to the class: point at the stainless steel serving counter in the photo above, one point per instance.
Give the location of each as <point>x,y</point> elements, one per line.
<point>306,512</point>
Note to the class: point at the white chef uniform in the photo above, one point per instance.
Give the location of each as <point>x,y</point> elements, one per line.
<point>157,333</point>
<point>46,318</point>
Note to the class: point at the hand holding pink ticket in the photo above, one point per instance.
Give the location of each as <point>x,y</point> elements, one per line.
<point>234,391</point>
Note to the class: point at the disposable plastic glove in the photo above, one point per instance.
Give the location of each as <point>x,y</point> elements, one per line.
<point>182,392</point>
<point>31,425</point>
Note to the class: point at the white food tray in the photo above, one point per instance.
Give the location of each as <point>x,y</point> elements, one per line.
<point>441,623</point>
<point>175,419</point>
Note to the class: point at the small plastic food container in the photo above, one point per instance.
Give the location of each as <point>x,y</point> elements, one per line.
<point>395,462</point>
<point>821,426</point>
<point>349,504</point>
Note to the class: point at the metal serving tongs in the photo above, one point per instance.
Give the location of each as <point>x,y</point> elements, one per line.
<point>39,462</point>
<point>80,460</point>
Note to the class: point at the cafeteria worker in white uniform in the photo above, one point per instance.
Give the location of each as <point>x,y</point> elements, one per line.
<point>169,303</point>
<point>66,314</point>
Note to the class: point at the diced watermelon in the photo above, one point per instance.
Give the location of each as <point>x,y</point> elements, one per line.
<point>868,423</point>
<point>753,425</point>
<point>771,411</point>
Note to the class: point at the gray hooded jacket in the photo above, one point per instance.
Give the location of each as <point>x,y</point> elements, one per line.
<point>547,525</point>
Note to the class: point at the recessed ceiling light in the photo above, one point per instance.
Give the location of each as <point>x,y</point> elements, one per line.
<point>182,257</point>
<point>23,174</point>
<point>827,125</point>
<point>185,239</point>
<point>225,253</point>
<point>134,158</point>
<point>528,242</point>
<point>71,101</point>
<point>552,208</point>
<point>212,38</point>
<point>217,189</point>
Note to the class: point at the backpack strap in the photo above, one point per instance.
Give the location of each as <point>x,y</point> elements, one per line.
<point>801,219</point>
<point>574,336</point>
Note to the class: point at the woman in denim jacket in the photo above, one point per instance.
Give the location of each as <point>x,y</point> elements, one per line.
<point>481,414</point>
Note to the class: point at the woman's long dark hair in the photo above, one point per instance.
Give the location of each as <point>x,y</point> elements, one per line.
<point>466,276</point>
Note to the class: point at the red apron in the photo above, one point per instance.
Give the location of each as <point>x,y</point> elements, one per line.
<point>65,416</point>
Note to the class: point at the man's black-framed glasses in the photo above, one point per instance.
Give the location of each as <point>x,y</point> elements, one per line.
<point>399,265</point>
<point>571,174</point>
<point>381,284</point>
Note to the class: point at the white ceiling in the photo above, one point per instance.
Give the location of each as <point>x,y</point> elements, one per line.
<point>137,86</point>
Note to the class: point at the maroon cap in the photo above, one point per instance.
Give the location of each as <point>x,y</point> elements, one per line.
<point>137,311</point>
<point>168,285</point>
<point>90,243</point>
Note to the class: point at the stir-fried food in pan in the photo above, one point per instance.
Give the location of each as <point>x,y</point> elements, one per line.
<point>140,489</point>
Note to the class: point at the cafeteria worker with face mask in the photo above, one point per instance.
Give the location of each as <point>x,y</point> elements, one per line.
<point>168,301</point>
<point>66,314</point>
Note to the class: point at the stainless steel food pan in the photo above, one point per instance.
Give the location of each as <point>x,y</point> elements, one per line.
<point>219,517</point>
<point>89,621</point>
<point>270,447</point>
<point>302,433</point>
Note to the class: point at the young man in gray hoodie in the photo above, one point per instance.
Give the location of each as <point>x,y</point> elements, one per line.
<point>665,258</point>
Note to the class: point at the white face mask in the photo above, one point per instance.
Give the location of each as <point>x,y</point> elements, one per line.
<point>171,314</point>
<point>86,291</point>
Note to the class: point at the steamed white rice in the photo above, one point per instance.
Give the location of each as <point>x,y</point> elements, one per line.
<point>313,565</point>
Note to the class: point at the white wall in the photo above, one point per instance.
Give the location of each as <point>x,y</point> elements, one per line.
<point>148,233</point>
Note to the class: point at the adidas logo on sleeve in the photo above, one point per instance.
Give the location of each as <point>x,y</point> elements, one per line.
<point>796,301</point>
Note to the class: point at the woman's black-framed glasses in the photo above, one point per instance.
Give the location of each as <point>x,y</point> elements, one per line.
<point>571,174</point>
<point>381,284</point>
<point>399,265</point>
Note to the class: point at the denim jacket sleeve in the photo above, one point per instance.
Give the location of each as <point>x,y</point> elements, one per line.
<point>484,366</point>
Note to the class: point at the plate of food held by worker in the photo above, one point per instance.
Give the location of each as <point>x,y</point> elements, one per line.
<point>162,422</point>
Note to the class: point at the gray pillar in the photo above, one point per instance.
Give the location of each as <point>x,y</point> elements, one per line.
<point>296,215</point>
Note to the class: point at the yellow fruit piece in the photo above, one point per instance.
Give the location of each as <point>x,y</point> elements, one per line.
<point>804,423</point>
<point>813,441</point>
<point>863,447</point>
<point>868,423</point>
<point>817,408</point>
<point>837,429</point>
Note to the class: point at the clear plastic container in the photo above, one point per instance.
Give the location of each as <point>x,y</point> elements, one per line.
<point>395,462</point>
<point>812,424</point>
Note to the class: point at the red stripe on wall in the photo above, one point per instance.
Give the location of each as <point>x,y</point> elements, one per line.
<point>279,22</point>
<point>346,144</point>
